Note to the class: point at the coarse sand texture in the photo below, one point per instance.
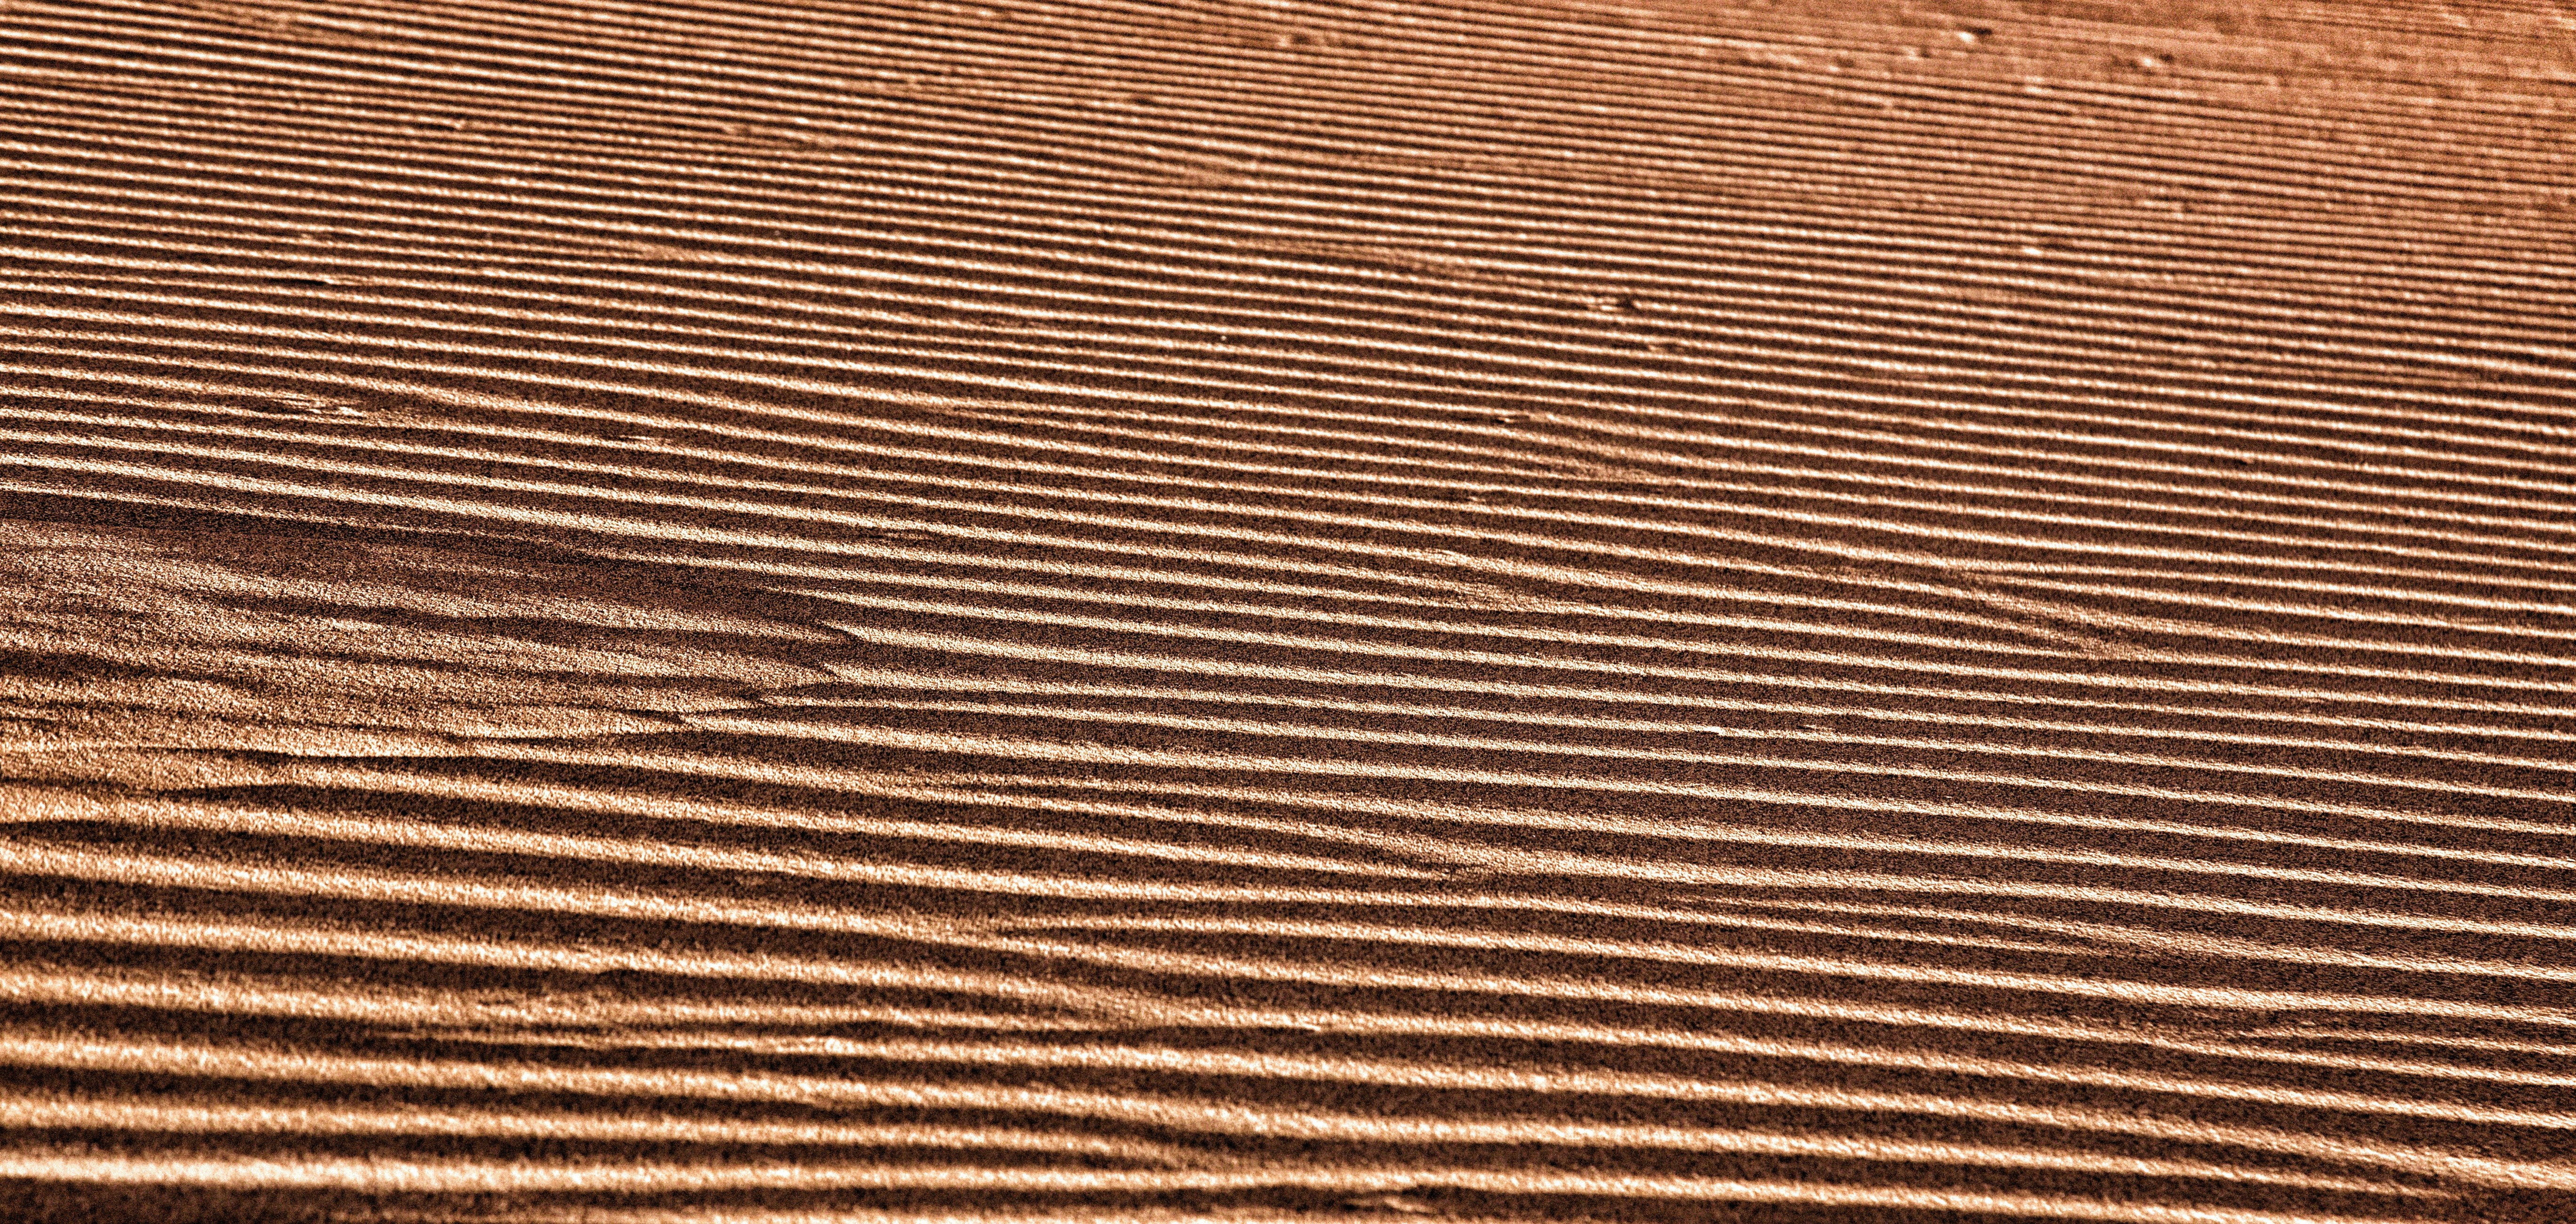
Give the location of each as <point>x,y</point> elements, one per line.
<point>1287,611</point>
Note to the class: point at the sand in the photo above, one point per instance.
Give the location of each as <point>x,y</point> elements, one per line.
<point>781,612</point>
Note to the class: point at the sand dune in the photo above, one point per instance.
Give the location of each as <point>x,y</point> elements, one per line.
<point>692,610</point>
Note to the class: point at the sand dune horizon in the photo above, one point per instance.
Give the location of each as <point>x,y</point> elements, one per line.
<point>1272,610</point>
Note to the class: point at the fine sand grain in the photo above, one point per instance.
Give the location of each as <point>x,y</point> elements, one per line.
<point>784,611</point>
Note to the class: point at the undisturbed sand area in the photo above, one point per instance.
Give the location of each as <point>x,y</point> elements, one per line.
<point>801,611</point>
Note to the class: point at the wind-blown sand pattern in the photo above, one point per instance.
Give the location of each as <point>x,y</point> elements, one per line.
<point>1275,610</point>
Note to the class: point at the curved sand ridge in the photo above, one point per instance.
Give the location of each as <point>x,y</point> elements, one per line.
<point>689,611</point>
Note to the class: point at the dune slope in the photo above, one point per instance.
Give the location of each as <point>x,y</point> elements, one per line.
<point>693,609</point>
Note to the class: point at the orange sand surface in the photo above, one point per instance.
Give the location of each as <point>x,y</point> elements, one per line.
<point>791,611</point>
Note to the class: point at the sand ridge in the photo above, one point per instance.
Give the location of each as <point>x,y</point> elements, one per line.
<point>686,610</point>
